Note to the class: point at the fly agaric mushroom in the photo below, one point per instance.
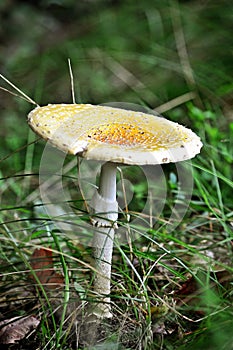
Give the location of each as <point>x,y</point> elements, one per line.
<point>114,136</point>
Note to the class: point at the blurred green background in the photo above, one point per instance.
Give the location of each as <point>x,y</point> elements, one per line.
<point>146,52</point>
<point>171,56</point>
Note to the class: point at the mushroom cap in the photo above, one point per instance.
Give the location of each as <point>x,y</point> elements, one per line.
<point>114,134</point>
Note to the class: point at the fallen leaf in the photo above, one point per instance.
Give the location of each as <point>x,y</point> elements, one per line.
<point>191,290</point>
<point>14,329</point>
<point>42,263</point>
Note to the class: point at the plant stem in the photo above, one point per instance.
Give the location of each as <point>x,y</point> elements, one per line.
<point>107,185</point>
<point>105,210</point>
<point>102,252</point>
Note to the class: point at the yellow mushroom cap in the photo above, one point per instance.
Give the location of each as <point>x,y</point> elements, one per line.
<point>114,134</point>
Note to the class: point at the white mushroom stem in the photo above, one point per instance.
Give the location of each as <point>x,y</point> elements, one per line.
<point>105,210</point>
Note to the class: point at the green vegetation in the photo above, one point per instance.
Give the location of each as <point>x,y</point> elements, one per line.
<point>172,286</point>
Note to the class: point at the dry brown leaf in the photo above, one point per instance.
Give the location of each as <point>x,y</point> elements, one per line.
<point>191,290</point>
<point>14,329</point>
<point>42,264</point>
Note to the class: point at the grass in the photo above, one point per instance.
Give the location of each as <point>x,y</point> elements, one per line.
<point>172,263</point>
<point>170,288</point>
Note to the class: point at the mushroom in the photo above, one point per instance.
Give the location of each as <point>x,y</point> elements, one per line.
<point>114,136</point>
